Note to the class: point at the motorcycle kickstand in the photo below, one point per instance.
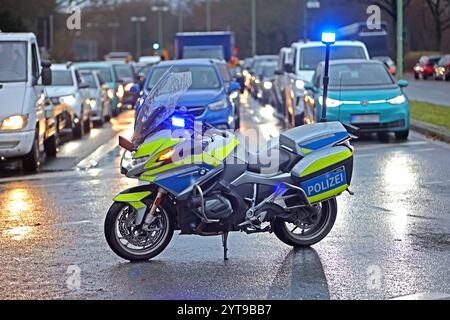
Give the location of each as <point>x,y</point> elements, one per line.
<point>225,246</point>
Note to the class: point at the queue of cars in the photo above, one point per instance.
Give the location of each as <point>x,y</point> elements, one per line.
<point>436,67</point>
<point>46,101</point>
<point>363,89</point>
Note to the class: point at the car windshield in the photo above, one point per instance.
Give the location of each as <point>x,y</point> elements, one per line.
<point>104,73</point>
<point>199,52</point>
<point>89,79</point>
<point>124,72</point>
<point>269,70</point>
<point>311,57</point>
<point>257,64</point>
<point>61,78</point>
<point>160,103</point>
<point>13,61</point>
<point>203,77</point>
<point>359,74</point>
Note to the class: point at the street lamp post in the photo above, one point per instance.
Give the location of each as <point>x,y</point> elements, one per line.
<point>114,26</point>
<point>160,10</point>
<point>208,15</point>
<point>253,9</point>
<point>328,39</point>
<point>308,4</point>
<point>138,21</point>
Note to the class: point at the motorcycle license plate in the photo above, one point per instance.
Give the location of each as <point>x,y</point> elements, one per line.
<point>365,118</point>
<point>325,182</point>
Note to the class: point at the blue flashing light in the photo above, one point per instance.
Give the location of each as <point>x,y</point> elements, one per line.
<point>328,37</point>
<point>178,122</point>
<point>280,188</point>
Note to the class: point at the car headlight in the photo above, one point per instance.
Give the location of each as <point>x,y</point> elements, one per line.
<point>70,100</point>
<point>300,84</point>
<point>129,86</point>
<point>219,105</point>
<point>129,162</point>
<point>111,93</point>
<point>397,100</point>
<point>234,95</point>
<point>257,81</point>
<point>267,85</point>
<point>332,103</point>
<point>120,92</point>
<point>93,104</point>
<point>14,123</point>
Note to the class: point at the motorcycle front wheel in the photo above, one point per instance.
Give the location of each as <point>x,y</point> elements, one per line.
<point>131,242</point>
<point>307,233</point>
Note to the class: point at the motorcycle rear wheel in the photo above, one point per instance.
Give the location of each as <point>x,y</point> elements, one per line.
<point>119,233</point>
<point>286,231</point>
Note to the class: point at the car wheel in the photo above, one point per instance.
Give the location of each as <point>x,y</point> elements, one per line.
<point>51,145</point>
<point>402,135</point>
<point>88,125</point>
<point>78,130</point>
<point>32,161</point>
<point>299,119</point>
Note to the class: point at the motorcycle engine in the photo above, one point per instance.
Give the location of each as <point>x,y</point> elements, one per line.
<point>218,207</point>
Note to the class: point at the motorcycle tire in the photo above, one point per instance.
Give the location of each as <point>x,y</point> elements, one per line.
<point>280,228</point>
<point>132,255</point>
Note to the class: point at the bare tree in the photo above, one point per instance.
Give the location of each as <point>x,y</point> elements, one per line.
<point>440,11</point>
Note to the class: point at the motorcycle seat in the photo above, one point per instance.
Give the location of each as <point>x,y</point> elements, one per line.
<point>272,161</point>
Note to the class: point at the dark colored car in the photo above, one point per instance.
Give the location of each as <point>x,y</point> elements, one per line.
<point>442,69</point>
<point>424,68</point>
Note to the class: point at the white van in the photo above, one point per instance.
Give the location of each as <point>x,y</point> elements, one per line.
<point>23,122</point>
<point>305,58</point>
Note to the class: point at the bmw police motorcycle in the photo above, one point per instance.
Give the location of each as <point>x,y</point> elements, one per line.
<point>197,180</point>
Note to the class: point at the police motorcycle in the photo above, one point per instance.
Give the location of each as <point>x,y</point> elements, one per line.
<point>196,180</point>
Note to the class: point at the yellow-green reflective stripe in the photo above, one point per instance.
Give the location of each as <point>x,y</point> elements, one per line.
<point>224,151</point>
<point>328,194</point>
<point>196,159</point>
<point>149,179</point>
<point>326,162</point>
<point>151,147</point>
<point>306,151</point>
<point>132,197</point>
<point>148,148</point>
<point>137,205</point>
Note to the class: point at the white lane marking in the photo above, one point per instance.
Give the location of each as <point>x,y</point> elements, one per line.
<point>371,154</point>
<point>14,231</point>
<point>386,146</point>
<point>435,182</point>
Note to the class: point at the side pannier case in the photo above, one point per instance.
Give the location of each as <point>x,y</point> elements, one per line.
<point>324,174</point>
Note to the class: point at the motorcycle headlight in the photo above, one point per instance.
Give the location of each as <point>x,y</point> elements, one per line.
<point>267,85</point>
<point>332,103</point>
<point>70,100</point>
<point>14,123</point>
<point>219,105</point>
<point>128,162</point>
<point>398,100</point>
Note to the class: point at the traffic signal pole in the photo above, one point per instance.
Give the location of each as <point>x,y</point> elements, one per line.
<point>400,39</point>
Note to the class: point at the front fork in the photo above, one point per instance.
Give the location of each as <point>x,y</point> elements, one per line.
<point>136,197</point>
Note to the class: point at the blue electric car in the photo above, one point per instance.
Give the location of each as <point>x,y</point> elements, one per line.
<point>211,98</point>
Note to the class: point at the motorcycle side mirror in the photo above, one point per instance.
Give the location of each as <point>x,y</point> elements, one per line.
<point>126,144</point>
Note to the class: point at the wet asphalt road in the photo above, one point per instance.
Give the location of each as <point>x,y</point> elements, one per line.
<point>391,239</point>
<point>436,92</point>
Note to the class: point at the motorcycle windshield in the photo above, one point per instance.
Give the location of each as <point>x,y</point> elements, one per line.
<point>160,103</point>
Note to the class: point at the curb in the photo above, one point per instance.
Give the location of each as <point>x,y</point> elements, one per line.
<point>427,129</point>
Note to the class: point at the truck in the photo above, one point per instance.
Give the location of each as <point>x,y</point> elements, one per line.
<point>377,40</point>
<point>214,45</point>
<point>27,121</point>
